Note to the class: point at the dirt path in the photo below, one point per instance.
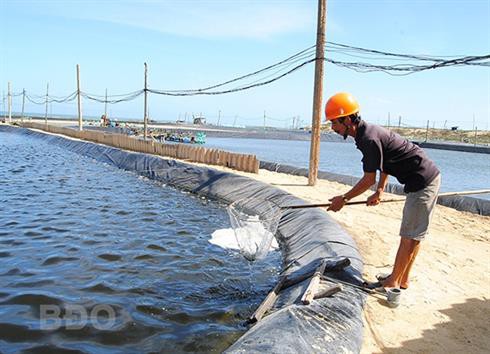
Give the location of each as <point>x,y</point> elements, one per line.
<point>447,307</point>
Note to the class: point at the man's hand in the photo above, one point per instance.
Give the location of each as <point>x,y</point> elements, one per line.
<point>374,199</point>
<point>337,203</point>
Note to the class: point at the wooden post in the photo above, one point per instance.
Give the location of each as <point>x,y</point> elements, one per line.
<point>9,103</point>
<point>317,96</point>
<point>313,285</point>
<point>256,165</point>
<point>145,118</point>
<point>268,302</point>
<point>241,162</point>
<point>47,94</point>
<point>79,94</point>
<point>328,291</point>
<point>23,104</point>
<point>427,132</point>
<point>105,105</point>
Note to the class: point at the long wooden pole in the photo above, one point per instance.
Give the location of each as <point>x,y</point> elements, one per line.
<point>23,104</point>
<point>47,94</point>
<point>318,92</point>
<point>359,202</point>
<point>268,302</point>
<point>9,103</point>
<point>80,119</point>
<point>145,118</point>
<point>105,106</point>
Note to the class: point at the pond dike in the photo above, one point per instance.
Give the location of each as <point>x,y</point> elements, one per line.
<point>461,203</point>
<point>454,147</point>
<point>306,237</point>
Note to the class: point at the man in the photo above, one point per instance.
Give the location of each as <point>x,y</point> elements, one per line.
<point>392,155</point>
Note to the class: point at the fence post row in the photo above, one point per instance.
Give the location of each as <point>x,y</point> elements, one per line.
<point>239,162</point>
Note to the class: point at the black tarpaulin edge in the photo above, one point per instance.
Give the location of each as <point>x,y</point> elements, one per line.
<point>306,236</point>
<point>461,203</point>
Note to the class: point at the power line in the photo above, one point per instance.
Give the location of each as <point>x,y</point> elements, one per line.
<point>283,68</point>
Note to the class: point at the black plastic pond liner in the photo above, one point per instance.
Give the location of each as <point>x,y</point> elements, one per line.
<point>461,203</point>
<point>306,236</point>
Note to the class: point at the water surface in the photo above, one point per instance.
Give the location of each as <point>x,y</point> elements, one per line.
<point>77,234</point>
<point>460,170</point>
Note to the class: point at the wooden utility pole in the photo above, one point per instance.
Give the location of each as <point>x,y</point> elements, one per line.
<point>9,103</point>
<point>23,104</point>
<point>105,107</point>
<point>47,94</point>
<point>80,118</point>
<point>145,118</point>
<point>4,103</point>
<point>427,132</point>
<point>318,92</point>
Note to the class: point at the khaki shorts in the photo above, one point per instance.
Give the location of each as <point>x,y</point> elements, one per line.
<point>418,210</point>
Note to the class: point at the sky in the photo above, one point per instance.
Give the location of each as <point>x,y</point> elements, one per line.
<point>190,44</point>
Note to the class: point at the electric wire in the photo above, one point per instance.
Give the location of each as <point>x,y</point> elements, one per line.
<point>124,98</point>
<point>269,74</point>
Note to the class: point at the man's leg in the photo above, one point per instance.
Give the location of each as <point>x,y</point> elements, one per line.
<point>417,213</point>
<point>405,280</point>
<point>407,251</point>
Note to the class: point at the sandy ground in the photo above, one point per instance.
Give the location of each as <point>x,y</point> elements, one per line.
<point>447,306</point>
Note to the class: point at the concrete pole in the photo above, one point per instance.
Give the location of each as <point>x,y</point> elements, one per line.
<point>219,117</point>
<point>80,118</point>
<point>145,118</point>
<point>264,120</point>
<point>105,107</point>
<point>318,92</point>
<point>9,102</point>
<point>23,104</point>
<point>47,96</point>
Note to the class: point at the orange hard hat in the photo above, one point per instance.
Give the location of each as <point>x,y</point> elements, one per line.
<point>341,105</point>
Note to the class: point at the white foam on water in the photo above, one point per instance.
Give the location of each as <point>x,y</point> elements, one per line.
<point>225,238</point>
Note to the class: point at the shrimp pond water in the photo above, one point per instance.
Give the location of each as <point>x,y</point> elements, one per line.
<point>96,259</point>
<point>460,170</point>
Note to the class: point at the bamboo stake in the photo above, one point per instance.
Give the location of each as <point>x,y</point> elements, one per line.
<point>313,285</point>
<point>268,302</point>
<point>328,292</point>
